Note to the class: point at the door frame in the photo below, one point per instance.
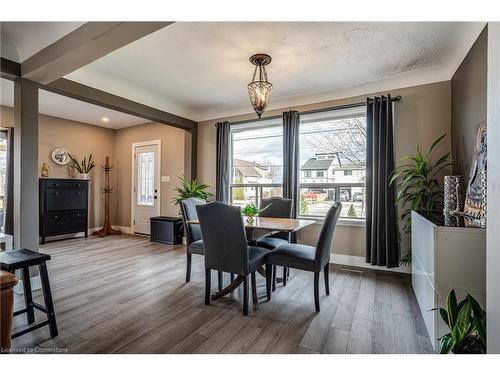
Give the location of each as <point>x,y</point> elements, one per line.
<point>156,142</point>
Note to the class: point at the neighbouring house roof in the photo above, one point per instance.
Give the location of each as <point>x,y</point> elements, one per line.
<point>248,168</point>
<point>316,165</point>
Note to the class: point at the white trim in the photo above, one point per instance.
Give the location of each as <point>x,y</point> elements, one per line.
<point>125,230</point>
<point>155,142</point>
<point>351,260</point>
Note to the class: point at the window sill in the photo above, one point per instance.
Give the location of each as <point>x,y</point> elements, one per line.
<point>343,222</point>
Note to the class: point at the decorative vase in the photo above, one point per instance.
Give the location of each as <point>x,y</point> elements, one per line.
<point>84,176</point>
<point>452,194</point>
<point>484,185</point>
<point>250,219</point>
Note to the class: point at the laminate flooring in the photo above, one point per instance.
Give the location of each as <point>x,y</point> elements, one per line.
<point>125,294</point>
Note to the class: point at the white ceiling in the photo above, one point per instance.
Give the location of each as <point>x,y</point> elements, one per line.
<point>200,69</point>
<point>21,40</point>
<point>71,109</point>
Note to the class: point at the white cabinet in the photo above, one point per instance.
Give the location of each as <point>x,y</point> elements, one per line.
<point>445,258</point>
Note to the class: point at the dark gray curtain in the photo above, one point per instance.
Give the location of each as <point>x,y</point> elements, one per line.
<point>222,160</point>
<point>381,230</point>
<point>291,124</point>
<point>9,185</point>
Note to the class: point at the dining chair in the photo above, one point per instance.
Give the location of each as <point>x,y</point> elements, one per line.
<point>281,208</point>
<point>226,249</point>
<point>309,258</point>
<point>192,232</point>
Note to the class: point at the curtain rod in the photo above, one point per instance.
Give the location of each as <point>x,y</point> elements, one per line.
<point>338,107</point>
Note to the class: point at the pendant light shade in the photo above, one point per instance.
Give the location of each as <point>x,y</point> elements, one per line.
<point>259,90</point>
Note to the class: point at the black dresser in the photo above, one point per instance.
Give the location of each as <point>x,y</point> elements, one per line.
<point>63,207</point>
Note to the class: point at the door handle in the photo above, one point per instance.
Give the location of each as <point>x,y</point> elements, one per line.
<point>156,197</point>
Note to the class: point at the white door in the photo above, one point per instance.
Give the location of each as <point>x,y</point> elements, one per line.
<point>146,191</point>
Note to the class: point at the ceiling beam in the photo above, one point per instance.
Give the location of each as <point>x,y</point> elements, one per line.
<point>9,69</point>
<point>101,98</point>
<point>82,46</point>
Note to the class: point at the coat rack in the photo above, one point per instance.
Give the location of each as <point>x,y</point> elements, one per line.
<point>106,229</point>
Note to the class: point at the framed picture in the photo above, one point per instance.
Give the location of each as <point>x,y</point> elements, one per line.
<point>60,156</point>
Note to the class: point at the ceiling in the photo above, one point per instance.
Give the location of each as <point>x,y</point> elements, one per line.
<point>21,40</point>
<point>71,109</point>
<point>200,70</point>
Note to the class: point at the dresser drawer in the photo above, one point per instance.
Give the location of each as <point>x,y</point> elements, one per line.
<point>65,199</point>
<point>64,184</point>
<point>64,222</point>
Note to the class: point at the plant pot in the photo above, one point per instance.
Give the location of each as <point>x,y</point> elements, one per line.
<point>84,176</point>
<point>249,219</point>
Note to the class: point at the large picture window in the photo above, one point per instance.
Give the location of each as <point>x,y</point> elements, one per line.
<point>333,162</point>
<point>256,161</point>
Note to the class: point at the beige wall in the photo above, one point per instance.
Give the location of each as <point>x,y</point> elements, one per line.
<point>468,104</point>
<point>176,151</point>
<point>421,116</point>
<point>82,139</point>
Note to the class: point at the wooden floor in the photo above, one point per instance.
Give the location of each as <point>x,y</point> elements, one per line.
<point>124,294</point>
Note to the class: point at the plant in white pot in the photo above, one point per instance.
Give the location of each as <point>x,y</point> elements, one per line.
<point>84,167</point>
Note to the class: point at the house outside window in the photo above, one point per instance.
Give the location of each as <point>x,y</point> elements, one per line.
<point>256,161</point>
<point>333,145</point>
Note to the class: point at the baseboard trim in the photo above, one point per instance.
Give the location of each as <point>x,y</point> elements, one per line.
<point>36,283</point>
<point>351,260</point>
<point>125,230</point>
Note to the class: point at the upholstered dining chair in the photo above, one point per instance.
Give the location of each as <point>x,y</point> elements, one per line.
<point>192,232</point>
<point>309,258</point>
<point>226,249</point>
<point>281,208</point>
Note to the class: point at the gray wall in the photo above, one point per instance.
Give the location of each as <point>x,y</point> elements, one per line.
<point>468,104</point>
<point>493,234</point>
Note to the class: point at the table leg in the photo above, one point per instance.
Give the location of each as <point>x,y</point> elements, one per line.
<point>228,289</point>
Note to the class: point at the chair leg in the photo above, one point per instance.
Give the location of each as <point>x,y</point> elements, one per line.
<point>285,274</point>
<point>28,299</point>
<point>327,279</point>
<point>47,296</point>
<point>219,279</point>
<point>188,268</point>
<point>245,295</point>
<point>232,277</point>
<point>274,278</point>
<point>255,300</point>
<point>208,282</point>
<point>316,290</point>
<point>269,276</point>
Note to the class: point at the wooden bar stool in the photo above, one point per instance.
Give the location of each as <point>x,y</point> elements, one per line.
<point>23,259</point>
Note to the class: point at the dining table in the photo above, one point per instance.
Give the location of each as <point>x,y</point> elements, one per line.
<point>260,225</point>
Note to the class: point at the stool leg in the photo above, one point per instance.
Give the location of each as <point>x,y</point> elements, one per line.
<point>28,298</point>
<point>47,296</point>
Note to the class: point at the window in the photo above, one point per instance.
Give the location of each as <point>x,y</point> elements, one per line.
<point>333,141</point>
<point>307,174</point>
<point>256,161</point>
<point>145,178</point>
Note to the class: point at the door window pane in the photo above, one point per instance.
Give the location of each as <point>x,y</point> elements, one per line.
<point>145,178</point>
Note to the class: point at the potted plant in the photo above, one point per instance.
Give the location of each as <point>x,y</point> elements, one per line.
<point>84,167</point>
<point>417,187</point>
<point>190,189</point>
<point>467,323</point>
<point>250,211</point>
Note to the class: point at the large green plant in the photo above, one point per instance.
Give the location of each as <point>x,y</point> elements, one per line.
<point>467,323</point>
<point>191,189</point>
<point>417,186</point>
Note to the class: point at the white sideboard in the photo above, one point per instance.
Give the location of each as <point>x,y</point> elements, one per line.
<point>445,258</point>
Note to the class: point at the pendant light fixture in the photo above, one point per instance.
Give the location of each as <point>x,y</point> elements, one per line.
<point>259,90</point>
